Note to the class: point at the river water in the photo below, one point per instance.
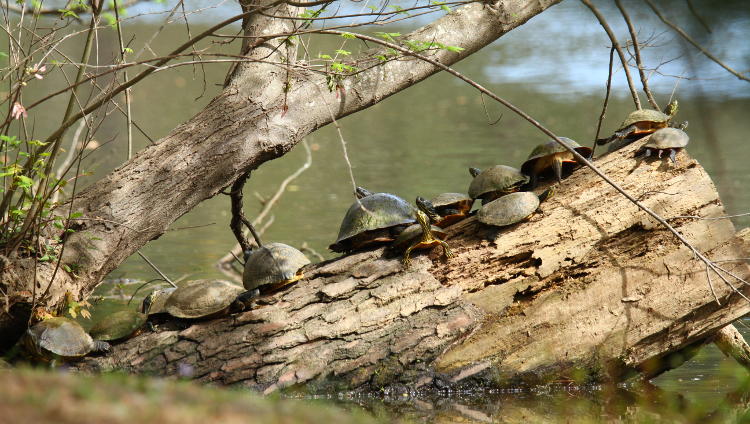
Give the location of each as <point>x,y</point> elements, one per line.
<point>421,142</point>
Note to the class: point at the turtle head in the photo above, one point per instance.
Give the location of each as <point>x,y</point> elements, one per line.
<point>474,171</point>
<point>427,208</point>
<point>361,192</point>
<point>147,302</point>
<point>671,108</point>
<point>683,126</point>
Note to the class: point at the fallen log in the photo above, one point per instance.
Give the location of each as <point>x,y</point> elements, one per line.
<point>590,288</point>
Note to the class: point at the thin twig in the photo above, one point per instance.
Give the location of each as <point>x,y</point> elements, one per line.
<point>616,45</point>
<point>128,113</point>
<point>238,215</point>
<point>155,268</point>
<point>606,99</point>
<point>695,44</point>
<point>637,52</point>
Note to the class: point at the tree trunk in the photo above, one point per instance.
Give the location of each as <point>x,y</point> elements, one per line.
<point>589,286</point>
<point>272,102</point>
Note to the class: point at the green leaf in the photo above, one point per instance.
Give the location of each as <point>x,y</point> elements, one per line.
<point>347,35</point>
<point>76,215</point>
<point>343,52</point>
<point>24,181</point>
<point>325,56</point>
<point>454,49</point>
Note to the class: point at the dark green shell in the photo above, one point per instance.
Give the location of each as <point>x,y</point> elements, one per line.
<point>380,210</point>
<point>667,138</point>
<point>272,264</point>
<point>644,115</point>
<point>118,325</point>
<point>510,209</point>
<point>201,298</point>
<point>496,178</point>
<point>412,233</point>
<point>550,148</point>
<point>57,337</point>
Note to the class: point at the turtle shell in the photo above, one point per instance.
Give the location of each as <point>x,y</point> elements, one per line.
<point>510,209</point>
<point>497,178</point>
<point>201,298</point>
<point>450,199</point>
<point>667,138</point>
<point>644,115</point>
<point>57,337</point>
<point>158,300</point>
<point>550,148</point>
<point>118,325</point>
<point>272,264</point>
<point>374,212</point>
<point>414,231</point>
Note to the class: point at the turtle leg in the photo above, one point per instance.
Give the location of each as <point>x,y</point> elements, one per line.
<point>446,249</point>
<point>557,166</point>
<point>660,151</point>
<point>407,261</point>
<point>101,346</point>
<point>673,156</point>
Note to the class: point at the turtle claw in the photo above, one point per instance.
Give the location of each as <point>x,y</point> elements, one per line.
<point>673,156</point>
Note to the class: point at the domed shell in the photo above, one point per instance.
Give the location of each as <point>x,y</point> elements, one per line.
<point>158,301</point>
<point>510,209</point>
<point>449,199</point>
<point>668,138</point>
<point>644,115</point>
<point>273,263</point>
<point>58,336</point>
<point>496,178</point>
<point>201,298</point>
<point>414,231</point>
<point>377,211</point>
<point>118,325</point>
<point>550,148</point>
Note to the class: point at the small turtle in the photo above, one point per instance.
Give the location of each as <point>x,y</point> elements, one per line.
<point>204,299</point>
<point>119,326</point>
<point>642,122</point>
<point>425,234</point>
<point>664,140</point>
<point>512,208</point>
<point>154,303</point>
<point>451,207</point>
<point>373,219</point>
<point>60,338</point>
<point>273,266</point>
<point>552,156</point>
<point>494,182</point>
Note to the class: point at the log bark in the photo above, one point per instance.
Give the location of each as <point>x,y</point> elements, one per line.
<point>265,110</point>
<point>589,287</point>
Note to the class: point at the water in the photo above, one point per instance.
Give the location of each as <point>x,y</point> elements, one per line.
<point>421,141</point>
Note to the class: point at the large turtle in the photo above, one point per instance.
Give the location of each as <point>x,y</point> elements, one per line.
<point>666,140</point>
<point>551,156</point>
<point>512,208</point>
<point>60,338</point>
<point>451,208</point>
<point>494,182</point>
<point>205,299</point>
<point>119,326</point>
<point>373,219</point>
<point>273,266</point>
<point>642,122</point>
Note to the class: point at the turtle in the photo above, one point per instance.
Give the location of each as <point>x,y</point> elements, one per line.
<point>205,299</point>
<point>60,338</point>
<point>154,303</point>
<point>552,156</point>
<point>665,140</point>
<point>373,219</point>
<point>512,208</point>
<point>451,207</point>
<point>273,266</point>
<point>425,214</point>
<point>642,122</point>
<point>494,182</point>
<point>119,326</point>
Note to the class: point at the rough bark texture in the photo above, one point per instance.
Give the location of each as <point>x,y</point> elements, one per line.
<point>265,110</point>
<point>731,342</point>
<point>588,285</point>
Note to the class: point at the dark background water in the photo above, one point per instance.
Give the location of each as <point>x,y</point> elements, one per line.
<point>421,141</point>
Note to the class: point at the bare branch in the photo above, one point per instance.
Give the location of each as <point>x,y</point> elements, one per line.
<point>637,52</point>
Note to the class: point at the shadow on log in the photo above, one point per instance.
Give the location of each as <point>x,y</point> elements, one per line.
<point>588,288</point>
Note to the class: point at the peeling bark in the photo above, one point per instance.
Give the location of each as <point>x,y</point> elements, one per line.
<point>264,111</point>
<point>589,285</point>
